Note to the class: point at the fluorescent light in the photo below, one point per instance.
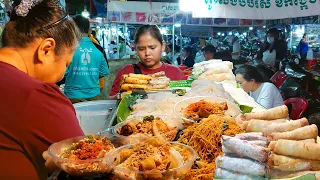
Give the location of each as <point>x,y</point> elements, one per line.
<point>264,26</point>
<point>177,25</point>
<point>219,33</point>
<point>223,34</point>
<point>250,28</point>
<point>85,13</point>
<point>163,31</point>
<point>245,34</point>
<point>230,33</point>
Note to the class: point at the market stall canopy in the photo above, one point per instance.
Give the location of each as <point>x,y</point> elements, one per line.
<point>252,9</point>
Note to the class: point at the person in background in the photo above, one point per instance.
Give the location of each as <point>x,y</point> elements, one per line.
<point>88,65</point>
<point>302,48</point>
<point>214,40</point>
<point>188,59</point>
<point>149,45</point>
<point>113,50</point>
<point>208,52</point>
<point>173,58</point>
<point>122,47</point>
<point>236,48</point>
<point>252,82</point>
<point>93,37</point>
<point>273,50</point>
<point>38,44</point>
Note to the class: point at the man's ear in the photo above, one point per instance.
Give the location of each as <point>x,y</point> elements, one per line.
<point>46,49</point>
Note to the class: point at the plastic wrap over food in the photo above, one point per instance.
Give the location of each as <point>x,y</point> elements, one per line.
<point>208,88</point>
<point>241,165</point>
<point>242,97</point>
<point>225,174</point>
<point>161,103</point>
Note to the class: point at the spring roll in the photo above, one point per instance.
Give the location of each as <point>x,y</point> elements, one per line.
<point>131,80</point>
<point>279,112</point>
<point>283,127</point>
<point>130,87</point>
<point>240,165</point>
<point>225,174</point>
<point>140,76</point>
<point>244,124</point>
<point>258,125</point>
<point>245,149</point>
<point>279,160</point>
<point>306,132</point>
<point>159,74</point>
<point>297,149</point>
<point>273,143</point>
<point>295,165</point>
<point>252,136</point>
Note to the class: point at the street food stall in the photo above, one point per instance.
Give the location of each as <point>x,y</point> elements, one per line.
<point>206,127</point>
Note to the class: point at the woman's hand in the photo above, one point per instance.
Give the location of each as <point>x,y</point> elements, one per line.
<point>50,165</point>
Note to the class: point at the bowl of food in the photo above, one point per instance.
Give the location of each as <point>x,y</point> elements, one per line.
<point>83,155</point>
<point>152,159</point>
<point>194,109</point>
<point>140,128</point>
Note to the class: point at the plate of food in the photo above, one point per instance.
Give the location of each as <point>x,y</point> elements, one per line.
<point>152,159</point>
<point>196,108</point>
<point>83,155</point>
<point>140,128</point>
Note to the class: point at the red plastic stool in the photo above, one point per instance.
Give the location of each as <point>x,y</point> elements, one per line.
<point>299,106</point>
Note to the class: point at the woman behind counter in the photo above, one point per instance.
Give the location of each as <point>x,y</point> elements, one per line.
<point>38,44</point>
<point>149,45</point>
<point>264,93</point>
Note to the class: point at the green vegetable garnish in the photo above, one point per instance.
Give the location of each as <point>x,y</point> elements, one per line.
<point>148,118</point>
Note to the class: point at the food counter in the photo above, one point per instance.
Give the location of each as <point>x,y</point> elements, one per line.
<point>212,130</point>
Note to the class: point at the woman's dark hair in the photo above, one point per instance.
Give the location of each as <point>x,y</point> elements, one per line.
<point>153,30</point>
<point>45,20</point>
<point>250,73</point>
<point>188,49</point>
<point>82,23</point>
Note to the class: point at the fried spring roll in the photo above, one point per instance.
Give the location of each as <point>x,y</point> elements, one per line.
<point>279,160</point>
<point>245,149</point>
<point>297,149</point>
<point>131,80</point>
<point>273,143</point>
<point>258,125</point>
<point>140,76</point>
<point>306,132</point>
<point>240,165</point>
<point>287,126</point>
<point>225,174</point>
<point>252,136</point>
<point>270,114</point>
<point>130,87</point>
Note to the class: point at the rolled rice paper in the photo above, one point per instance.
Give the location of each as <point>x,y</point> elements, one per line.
<point>252,136</point>
<point>225,174</point>
<point>241,165</point>
<point>245,149</point>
